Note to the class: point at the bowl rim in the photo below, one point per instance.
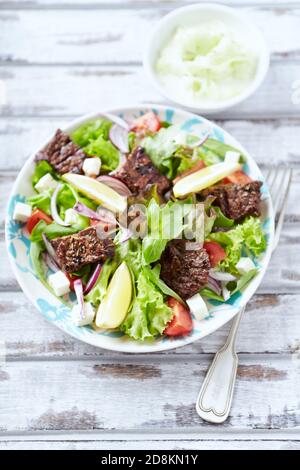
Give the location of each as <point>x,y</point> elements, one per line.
<point>143,347</point>
<point>208,108</point>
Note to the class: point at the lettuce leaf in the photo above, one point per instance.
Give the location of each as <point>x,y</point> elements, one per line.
<point>236,286</point>
<point>41,168</point>
<point>90,131</point>
<point>99,290</point>
<point>171,151</point>
<point>247,235</point>
<point>104,149</point>
<point>93,137</point>
<point>52,230</point>
<point>164,223</point>
<point>221,220</point>
<point>161,147</point>
<point>40,201</point>
<point>149,314</point>
<point>154,276</point>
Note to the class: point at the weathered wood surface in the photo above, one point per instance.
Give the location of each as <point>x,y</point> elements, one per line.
<point>85,394</point>
<point>157,441</point>
<point>110,36</point>
<point>62,59</point>
<point>69,91</point>
<point>271,325</point>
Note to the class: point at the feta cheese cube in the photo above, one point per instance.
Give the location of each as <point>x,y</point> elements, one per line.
<point>59,283</point>
<point>71,216</point>
<point>45,183</point>
<point>245,265</point>
<point>91,166</point>
<point>88,314</point>
<point>232,156</point>
<point>197,307</point>
<point>22,212</point>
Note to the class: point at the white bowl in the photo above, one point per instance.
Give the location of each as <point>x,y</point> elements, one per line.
<point>192,15</point>
<point>59,313</point>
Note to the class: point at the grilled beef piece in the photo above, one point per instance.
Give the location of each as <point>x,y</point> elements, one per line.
<point>184,270</point>
<point>139,174</point>
<point>62,154</point>
<point>237,201</point>
<point>85,247</point>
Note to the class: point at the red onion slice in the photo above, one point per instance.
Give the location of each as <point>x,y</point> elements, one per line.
<point>53,207</point>
<point>119,138</point>
<point>221,276</point>
<point>50,262</point>
<point>48,246</point>
<point>115,184</point>
<point>103,215</point>
<point>79,295</point>
<point>214,285</point>
<point>93,279</point>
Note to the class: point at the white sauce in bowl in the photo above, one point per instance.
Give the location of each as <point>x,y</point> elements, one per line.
<point>209,63</point>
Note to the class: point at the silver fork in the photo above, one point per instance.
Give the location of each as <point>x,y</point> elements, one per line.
<point>215,397</point>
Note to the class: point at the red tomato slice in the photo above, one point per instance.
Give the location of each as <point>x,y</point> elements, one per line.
<point>215,252</point>
<point>147,122</point>
<point>238,177</point>
<point>198,166</point>
<point>181,323</point>
<point>36,216</point>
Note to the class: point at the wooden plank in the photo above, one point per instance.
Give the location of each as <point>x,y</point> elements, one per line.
<point>269,141</point>
<point>155,444</point>
<point>68,91</point>
<point>270,326</point>
<point>127,4</point>
<point>164,395</point>
<point>77,39</point>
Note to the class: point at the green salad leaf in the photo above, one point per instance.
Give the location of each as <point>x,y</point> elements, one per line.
<point>36,250</point>
<point>248,235</point>
<point>164,223</point>
<point>98,292</point>
<point>210,294</point>
<point>154,276</point>
<point>52,230</point>
<point>93,138</point>
<point>104,149</point>
<point>149,314</point>
<point>161,147</point>
<point>41,201</point>
<point>90,131</point>
<point>221,220</point>
<point>172,152</point>
<point>41,168</point>
<point>218,148</point>
<point>236,286</point>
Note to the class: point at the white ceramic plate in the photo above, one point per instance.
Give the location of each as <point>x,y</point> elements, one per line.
<point>58,313</point>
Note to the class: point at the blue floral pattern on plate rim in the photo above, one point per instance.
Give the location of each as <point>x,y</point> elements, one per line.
<point>57,312</point>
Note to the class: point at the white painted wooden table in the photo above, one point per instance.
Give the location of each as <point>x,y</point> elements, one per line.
<point>60,59</point>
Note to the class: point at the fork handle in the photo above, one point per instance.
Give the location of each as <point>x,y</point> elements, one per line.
<point>215,397</point>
